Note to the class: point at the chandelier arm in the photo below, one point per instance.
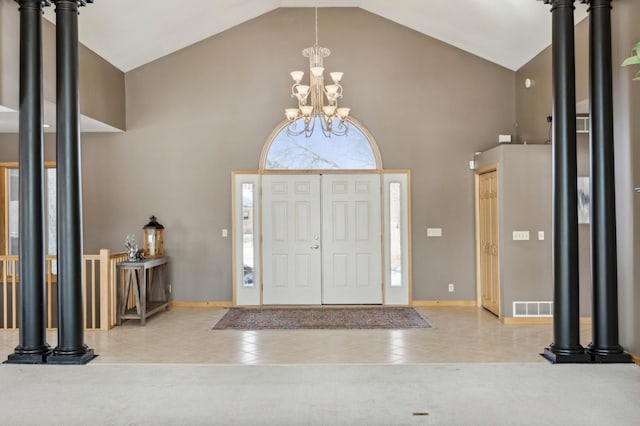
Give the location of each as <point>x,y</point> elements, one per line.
<point>309,130</point>
<point>292,132</point>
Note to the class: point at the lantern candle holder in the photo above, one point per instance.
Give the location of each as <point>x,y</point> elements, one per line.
<point>153,239</point>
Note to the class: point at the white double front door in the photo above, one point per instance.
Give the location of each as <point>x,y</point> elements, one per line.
<point>322,241</point>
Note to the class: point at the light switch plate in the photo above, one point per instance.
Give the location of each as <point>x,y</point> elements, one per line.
<point>434,232</point>
<point>520,235</point>
<point>540,235</point>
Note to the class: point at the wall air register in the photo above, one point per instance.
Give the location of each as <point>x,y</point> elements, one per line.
<point>532,309</point>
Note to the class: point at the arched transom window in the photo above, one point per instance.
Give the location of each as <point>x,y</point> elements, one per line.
<point>357,150</point>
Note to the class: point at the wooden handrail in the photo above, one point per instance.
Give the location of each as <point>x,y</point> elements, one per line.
<point>99,275</point>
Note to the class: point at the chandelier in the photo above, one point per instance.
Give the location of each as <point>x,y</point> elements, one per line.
<point>333,120</point>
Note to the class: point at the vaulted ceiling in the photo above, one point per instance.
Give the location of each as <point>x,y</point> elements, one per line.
<point>130,33</point>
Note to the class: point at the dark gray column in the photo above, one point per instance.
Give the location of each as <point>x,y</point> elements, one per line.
<point>71,348</point>
<point>604,276</point>
<point>566,320</point>
<point>33,347</point>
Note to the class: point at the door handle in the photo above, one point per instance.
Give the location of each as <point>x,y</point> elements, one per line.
<point>315,247</point>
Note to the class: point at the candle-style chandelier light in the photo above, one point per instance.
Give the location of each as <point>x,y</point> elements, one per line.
<point>332,119</point>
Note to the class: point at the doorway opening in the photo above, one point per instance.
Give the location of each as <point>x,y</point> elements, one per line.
<point>321,222</point>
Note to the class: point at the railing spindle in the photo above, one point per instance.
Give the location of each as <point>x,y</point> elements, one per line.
<point>49,293</point>
<point>4,294</point>
<point>93,294</point>
<point>14,297</point>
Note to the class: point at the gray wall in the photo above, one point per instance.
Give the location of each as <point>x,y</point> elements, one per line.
<point>196,115</point>
<point>626,33</point>
<point>524,196</point>
<point>534,105</point>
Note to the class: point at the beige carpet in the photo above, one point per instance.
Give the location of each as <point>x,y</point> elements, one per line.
<point>355,395</point>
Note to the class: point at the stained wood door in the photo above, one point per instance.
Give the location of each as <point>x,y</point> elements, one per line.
<point>351,239</point>
<point>488,244</point>
<point>291,239</point>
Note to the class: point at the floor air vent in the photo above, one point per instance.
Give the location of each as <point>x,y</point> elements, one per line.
<point>533,309</point>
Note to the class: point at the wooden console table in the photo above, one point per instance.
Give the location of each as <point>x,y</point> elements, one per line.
<point>136,290</point>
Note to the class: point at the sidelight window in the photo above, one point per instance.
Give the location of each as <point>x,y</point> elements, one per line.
<point>395,234</point>
<point>248,239</point>
<point>10,213</point>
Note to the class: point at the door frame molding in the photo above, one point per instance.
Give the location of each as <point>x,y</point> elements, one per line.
<point>252,296</point>
<point>476,184</point>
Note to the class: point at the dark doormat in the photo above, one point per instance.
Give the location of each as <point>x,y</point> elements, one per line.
<point>321,318</point>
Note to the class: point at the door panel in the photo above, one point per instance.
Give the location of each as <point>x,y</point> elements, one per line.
<point>489,254</point>
<point>291,254</point>
<point>351,239</point>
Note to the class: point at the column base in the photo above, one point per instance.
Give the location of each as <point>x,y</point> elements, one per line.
<point>609,357</point>
<point>71,357</point>
<point>565,358</point>
<point>29,356</point>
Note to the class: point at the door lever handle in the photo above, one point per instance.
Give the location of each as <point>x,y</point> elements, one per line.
<point>315,247</point>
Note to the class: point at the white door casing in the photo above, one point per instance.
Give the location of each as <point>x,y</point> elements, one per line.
<point>298,257</point>
<point>351,239</point>
<point>291,234</point>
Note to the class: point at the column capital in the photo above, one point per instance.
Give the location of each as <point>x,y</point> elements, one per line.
<point>560,3</point>
<point>79,3</point>
<point>41,3</point>
<point>597,3</point>
<point>70,5</point>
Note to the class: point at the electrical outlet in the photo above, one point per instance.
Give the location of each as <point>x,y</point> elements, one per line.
<point>224,233</point>
<point>450,288</point>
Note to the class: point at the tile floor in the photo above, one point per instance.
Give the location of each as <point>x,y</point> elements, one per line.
<point>184,335</point>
